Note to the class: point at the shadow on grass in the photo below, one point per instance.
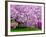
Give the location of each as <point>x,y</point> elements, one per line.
<point>21,29</point>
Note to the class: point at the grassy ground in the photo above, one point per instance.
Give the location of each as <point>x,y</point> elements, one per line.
<point>20,29</point>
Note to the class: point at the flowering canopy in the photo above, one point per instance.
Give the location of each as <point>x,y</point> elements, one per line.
<point>28,14</point>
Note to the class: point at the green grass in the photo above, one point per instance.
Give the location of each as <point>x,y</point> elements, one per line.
<point>20,29</point>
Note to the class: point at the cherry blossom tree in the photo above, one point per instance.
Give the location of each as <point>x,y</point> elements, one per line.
<point>27,14</point>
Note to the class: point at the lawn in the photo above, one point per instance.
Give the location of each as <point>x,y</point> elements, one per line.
<point>20,29</point>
